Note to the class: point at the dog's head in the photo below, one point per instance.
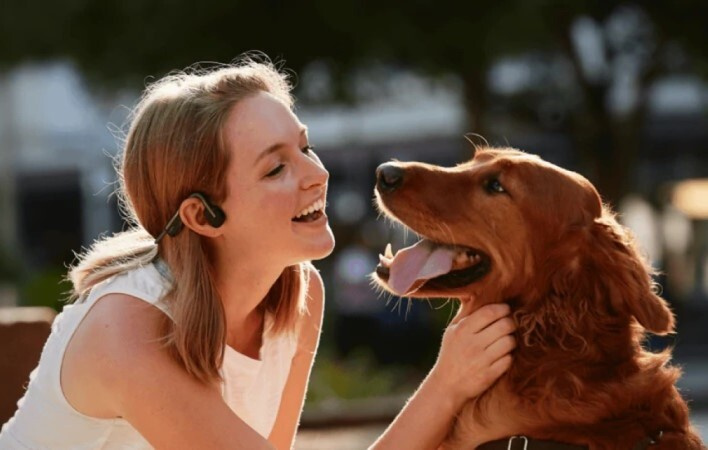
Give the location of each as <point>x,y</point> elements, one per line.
<point>508,225</point>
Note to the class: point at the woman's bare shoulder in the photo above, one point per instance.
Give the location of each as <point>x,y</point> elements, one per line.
<point>315,286</point>
<point>121,325</point>
<point>118,332</point>
<point>311,322</point>
<point>125,363</point>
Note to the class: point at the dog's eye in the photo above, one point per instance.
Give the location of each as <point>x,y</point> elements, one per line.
<point>495,187</point>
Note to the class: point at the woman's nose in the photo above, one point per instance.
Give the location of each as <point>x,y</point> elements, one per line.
<point>316,174</point>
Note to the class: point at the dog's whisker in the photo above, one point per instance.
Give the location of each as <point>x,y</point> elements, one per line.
<point>396,305</point>
<point>452,235</point>
<point>446,231</point>
<point>388,301</point>
<point>452,312</point>
<point>438,225</point>
<point>443,305</point>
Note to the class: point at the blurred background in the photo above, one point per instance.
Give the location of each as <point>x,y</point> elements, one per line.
<point>617,91</point>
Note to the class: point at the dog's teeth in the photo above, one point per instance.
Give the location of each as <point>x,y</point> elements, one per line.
<point>475,258</point>
<point>385,261</point>
<point>460,258</point>
<point>388,253</point>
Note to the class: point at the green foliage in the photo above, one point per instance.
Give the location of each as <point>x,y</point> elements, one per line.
<point>126,40</point>
<point>357,377</point>
<point>45,288</point>
<point>9,269</point>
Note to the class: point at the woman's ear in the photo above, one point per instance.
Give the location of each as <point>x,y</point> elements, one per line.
<point>191,212</point>
<point>625,276</point>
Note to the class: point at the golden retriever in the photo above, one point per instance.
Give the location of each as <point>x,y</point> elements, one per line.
<point>509,227</point>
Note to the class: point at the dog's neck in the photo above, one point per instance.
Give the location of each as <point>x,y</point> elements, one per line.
<point>562,352</point>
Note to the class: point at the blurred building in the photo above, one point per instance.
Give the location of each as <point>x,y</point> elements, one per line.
<point>56,176</point>
<point>57,140</point>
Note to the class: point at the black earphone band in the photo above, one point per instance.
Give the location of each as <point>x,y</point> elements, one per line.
<point>173,227</point>
<point>215,217</point>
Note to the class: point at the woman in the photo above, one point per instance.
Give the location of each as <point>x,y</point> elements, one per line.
<point>197,328</point>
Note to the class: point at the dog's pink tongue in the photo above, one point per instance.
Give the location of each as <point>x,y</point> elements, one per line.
<point>420,261</point>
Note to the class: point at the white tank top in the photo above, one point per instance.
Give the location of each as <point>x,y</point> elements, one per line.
<point>45,420</point>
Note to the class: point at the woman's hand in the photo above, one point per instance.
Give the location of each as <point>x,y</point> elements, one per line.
<point>474,352</point>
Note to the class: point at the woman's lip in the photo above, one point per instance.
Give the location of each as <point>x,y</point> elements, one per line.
<point>324,201</point>
<point>322,218</point>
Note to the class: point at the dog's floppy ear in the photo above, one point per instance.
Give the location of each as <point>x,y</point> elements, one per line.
<point>625,276</point>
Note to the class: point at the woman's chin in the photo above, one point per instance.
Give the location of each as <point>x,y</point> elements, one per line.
<point>325,249</point>
<point>320,249</point>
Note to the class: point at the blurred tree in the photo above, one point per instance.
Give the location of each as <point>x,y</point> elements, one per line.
<point>609,45</point>
<point>9,271</point>
<point>48,287</point>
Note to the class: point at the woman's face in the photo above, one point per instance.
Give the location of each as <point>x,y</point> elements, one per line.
<point>272,178</point>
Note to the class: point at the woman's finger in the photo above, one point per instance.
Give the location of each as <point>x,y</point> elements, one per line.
<point>499,366</point>
<point>491,373</point>
<point>496,330</point>
<point>483,317</point>
<point>500,347</point>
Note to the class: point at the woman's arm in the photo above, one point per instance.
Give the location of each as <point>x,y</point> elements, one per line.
<point>293,397</point>
<point>474,353</point>
<point>119,356</point>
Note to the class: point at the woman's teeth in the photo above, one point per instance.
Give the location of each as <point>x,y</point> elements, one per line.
<point>317,206</point>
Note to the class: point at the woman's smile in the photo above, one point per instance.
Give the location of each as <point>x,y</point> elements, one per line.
<point>312,215</point>
<point>312,220</point>
<point>275,176</point>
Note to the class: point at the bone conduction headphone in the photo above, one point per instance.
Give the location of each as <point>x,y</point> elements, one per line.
<point>213,214</point>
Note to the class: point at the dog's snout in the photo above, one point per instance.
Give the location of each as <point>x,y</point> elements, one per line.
<point>389,177</point>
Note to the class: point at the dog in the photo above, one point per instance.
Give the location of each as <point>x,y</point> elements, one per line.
<point>507,226</point>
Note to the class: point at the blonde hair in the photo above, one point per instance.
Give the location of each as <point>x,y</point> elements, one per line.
<point>176,128</point>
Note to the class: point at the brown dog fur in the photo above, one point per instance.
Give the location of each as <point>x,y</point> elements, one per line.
<point>581,294</point>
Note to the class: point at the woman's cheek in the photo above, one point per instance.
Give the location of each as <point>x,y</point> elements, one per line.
<point>277,207</point>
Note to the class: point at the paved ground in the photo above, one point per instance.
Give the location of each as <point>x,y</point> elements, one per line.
<point>693,383</point>
<point>358,438</point>
<point>349,438</point>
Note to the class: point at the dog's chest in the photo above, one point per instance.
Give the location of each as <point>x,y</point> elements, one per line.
<point>492,416</point>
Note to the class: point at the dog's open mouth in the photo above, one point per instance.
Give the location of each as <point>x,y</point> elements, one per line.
<point>433,265</point>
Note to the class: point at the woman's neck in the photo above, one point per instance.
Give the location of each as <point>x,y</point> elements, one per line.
<point>248,339</point>
<point>242,288</point>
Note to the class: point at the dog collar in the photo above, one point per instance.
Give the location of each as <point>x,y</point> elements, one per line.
<point>526,443</point>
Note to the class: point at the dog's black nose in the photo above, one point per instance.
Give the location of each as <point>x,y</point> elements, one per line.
<point>389,177</point>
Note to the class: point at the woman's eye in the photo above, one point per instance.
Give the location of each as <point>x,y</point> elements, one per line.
<point>275,171</point>
<point>306,150</point>
<point>495,187</point>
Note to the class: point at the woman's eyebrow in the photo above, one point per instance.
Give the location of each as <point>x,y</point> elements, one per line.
<point>277,146</point>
